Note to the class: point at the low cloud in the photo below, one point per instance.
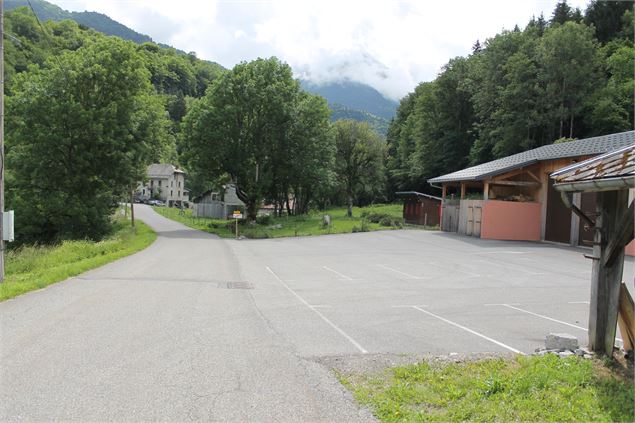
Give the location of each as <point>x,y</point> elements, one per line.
<point>390,45</point>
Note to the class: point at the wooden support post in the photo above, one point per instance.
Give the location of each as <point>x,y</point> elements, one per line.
<point>462,190</point>
<point>606,279</point>
<point>444,191</point>
<point>486,191</point>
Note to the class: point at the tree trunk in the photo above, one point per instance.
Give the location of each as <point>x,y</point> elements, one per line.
<point>132,208</point>
<point>571,126</point>
<point>252,210</point>
<point>349,211</point>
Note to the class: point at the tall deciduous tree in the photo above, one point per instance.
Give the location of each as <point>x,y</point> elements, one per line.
<point>569,59</point>
<point>80,130</point>
<point>359,164</point>
<point>253,124</point>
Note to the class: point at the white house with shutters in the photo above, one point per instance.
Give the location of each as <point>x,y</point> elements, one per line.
<point>164,182</point>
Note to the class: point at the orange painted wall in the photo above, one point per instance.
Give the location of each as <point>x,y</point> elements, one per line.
<point>509,220</point>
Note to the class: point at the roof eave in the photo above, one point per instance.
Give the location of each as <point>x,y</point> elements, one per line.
<point>596,185</point>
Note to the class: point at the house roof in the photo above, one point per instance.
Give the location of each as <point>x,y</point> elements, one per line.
<point>587,146</point>
<point>417,194</point>
<point>159,170</point>
<point>613,170</point>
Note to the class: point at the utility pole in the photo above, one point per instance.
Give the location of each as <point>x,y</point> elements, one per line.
<point>2,141</point>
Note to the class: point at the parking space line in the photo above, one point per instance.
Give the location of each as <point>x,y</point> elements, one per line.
<point>509,266</point>
<point>341,275</point>
<point>323,317</point>
<point>552,319</point>
<point>578,302</point>
<point>469,330</point>
<point>400,272</point>
<point>543,317</point>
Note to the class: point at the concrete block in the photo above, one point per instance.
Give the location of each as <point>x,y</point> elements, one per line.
<point>561,341</point>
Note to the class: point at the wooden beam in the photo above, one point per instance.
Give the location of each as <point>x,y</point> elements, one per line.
<point>444,191</point>
<point>486,191</point>
<point>537,179</point>
<point>516,183</point>
<point>462,190</point>
<point>605,282</point>
<point>623,236</point>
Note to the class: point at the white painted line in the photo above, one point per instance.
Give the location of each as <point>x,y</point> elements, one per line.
<point>508,266</point>
<point>341,275</point>
<point>501,252</point>
<point>408,306</point>
<point>321,306</point>
<point>543,317</point>
<point>400,272</point>
<point>550,318</point>
<point>500,304</point>
<point>500,344</point>
<point>578,302</point>
<point>312,308</point>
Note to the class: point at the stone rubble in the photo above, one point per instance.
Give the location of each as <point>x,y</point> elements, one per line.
<point>563,345</point>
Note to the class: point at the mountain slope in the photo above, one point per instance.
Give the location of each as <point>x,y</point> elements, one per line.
<point>354,95</point>
<point>98,21</point>
<point>379,124</point>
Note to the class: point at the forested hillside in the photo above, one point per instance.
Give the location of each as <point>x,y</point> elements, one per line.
<point>85,115</point>
<point>98,21</point>
<point>569,76</point>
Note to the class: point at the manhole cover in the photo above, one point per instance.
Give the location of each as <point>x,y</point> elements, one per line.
<point>239,285</point>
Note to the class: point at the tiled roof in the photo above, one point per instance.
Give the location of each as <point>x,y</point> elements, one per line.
<point>587,146</point>
<point>162,170</point>
<point>616,164</point>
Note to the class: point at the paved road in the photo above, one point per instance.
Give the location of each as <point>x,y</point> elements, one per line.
<point>158,336</point>
<point>199,328</point>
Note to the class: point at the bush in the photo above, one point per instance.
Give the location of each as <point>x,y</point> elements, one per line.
<point>264,219</point>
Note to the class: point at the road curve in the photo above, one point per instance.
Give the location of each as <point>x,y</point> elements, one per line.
<point>158,336</point>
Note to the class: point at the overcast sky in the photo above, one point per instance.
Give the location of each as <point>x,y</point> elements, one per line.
<point>390,45</point>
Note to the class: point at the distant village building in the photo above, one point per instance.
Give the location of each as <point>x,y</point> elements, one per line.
<point>513,198</point>
<point>217,204</point>
<point>166,183</point>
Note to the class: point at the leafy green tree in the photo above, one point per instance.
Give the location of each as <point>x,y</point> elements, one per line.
<point>608,18</point>
<point>569,60</point>
<point>80,131</point>
<point>252,124</point>
<point>359,164</point>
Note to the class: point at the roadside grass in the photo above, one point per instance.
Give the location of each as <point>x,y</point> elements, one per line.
<point>33,267</point>
<point>301,225</point>
<point>526,389</point>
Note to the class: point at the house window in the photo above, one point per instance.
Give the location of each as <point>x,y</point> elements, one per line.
<point>171,194</point>
<point>159,184</point>
<point>179,193</point>
<point>179,184</point>
<point>171,183</point>
<point>151,183</point>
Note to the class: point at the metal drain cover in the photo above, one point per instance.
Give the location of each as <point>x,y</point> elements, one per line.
<point>239,285</point>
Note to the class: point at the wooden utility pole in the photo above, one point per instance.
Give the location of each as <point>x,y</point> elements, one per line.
<point>1,141</point>
<point>608,260</point>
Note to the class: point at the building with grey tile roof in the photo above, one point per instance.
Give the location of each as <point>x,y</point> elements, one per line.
<point>584,147</point>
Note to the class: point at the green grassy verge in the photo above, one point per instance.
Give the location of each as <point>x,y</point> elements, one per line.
<point>33,267</point>
<point>526,389</point>
<point>303,225</point>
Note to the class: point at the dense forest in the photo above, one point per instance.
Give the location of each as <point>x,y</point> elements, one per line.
<point>567,77</point>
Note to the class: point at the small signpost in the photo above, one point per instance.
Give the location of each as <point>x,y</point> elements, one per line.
<point>237,215</point>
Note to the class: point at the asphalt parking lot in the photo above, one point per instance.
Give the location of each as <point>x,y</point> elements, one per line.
<point>413,291</point>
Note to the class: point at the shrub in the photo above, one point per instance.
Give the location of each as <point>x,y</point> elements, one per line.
<point>264,219</point>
